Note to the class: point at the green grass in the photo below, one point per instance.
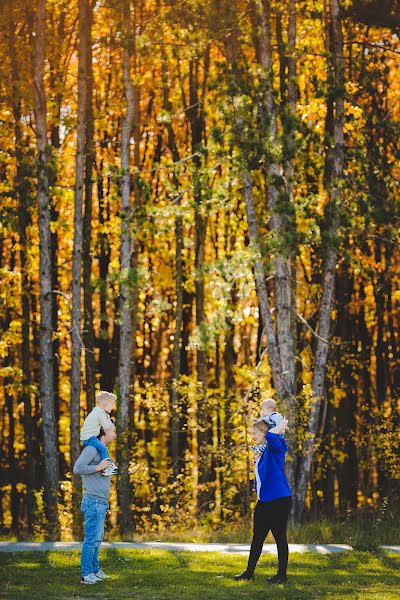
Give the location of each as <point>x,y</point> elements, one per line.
<point>162,575</point>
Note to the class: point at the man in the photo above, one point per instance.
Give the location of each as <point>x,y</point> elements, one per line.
<point>94,506</point>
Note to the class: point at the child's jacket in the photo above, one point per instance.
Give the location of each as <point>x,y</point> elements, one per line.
<point>270,480</point>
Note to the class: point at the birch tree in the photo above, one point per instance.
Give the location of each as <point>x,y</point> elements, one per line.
<point>125,346</point>
<point>46,348</point>
<point>334,182</point>
<point>88,329</point>
<point>76,327</point>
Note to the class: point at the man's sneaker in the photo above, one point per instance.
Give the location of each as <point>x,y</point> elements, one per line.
<point>101,575</point>
<point>109,471</point>
<point>90,579</point>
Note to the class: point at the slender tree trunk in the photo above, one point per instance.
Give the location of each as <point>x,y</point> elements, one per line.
<point>24,219</point>
<point>285,262</point>
<point>104,256</point>
<point>37,425</point>
<point>11,457</point>
<point>46,350</point>
<point>125,349</point>
<point>195,113</point>
<point>348,331</point>
<point>278,199</point>
<point>88,332</point>
<point>262,291</point>
<point>232,49</point>
<point>57,24</point>
<point>54,309</point>
<point>30,469</point>
<point>9,404</point>
<point>76,329</point>
<point>176,351</point>
<point>335,166</point>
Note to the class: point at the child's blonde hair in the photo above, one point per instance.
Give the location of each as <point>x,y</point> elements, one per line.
<point>102,397</point>
<point>261,425</point>
<point>268,403</point>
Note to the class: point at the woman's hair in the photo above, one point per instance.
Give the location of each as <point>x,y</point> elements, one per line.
<point>261,425</point>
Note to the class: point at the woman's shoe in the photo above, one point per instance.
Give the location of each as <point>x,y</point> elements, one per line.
<point>246,576</point>
<point>277,579</point>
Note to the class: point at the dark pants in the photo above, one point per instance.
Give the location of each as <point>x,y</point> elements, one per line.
<point>270,516</point>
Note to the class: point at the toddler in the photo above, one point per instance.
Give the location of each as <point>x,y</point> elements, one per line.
<point>269,414</point>
<point>97,419</point>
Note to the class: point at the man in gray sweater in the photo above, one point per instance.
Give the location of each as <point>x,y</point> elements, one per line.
<point>94,506</point>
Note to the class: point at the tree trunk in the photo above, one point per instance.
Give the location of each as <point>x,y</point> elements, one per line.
<point>11,457</point>
<point>24,219</point>
<point>105,366</point>
<point>286,264</point>
<point>46,354</point>
<point>334,164</point>
<point>76,330</point>
<point>195,114</point>
<point>57,24</point>
<point>348,331</point>
<point>9,405</point>
<point>88,332</point>
<point>279,200</point>
<point>262,291</point>
<point>232,49</point>
<point>176,350</point>
<point>125,349</point>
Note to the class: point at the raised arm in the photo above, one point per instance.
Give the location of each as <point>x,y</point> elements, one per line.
<point>105,421</point>
<point>275,442</point>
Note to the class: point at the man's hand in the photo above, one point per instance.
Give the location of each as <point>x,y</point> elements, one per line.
<point>103,464</point>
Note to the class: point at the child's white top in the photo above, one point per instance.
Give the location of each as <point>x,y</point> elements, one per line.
<point>273,419</point>
<point>96,418</point>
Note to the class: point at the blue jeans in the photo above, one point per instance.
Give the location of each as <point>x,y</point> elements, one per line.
<point>100,447</point>
<point>94,513</point>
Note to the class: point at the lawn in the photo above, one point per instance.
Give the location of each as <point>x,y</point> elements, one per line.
<point>162,575</point>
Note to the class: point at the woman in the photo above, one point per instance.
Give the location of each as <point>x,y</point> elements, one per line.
<point>274,497</point>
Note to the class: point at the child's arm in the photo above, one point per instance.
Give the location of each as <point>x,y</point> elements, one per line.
<point>105,421</point>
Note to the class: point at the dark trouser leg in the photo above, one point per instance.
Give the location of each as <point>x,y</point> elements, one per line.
<point>260,532</point>
<point>280,517</point>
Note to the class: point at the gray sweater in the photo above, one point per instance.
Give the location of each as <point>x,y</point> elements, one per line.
<point>94,483</point>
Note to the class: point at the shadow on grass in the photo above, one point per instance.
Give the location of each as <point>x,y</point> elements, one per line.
<point>164,575</point>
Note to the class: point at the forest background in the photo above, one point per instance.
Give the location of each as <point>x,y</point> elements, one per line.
<point>199,208</point>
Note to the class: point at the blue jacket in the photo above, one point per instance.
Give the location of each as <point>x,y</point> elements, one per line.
<point>270,480</point>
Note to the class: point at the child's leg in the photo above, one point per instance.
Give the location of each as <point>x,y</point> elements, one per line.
<point>100,447</point>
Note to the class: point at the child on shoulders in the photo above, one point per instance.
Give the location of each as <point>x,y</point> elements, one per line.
<point>269,413</point>
<point>99,418</point>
